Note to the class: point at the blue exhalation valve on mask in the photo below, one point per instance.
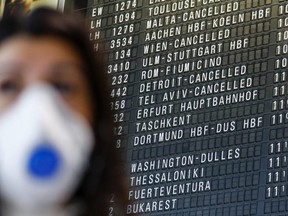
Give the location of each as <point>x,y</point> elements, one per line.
<point>43,162</point>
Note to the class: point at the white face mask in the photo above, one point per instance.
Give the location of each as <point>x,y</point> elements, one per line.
<point>44,150</point>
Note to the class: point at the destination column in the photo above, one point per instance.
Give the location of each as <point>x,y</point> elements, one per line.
<point>198,128</point>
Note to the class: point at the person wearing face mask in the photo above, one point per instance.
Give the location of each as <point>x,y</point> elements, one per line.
<point>57,148</point>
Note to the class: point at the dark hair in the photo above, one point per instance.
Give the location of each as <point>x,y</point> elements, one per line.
<point>104,175</point>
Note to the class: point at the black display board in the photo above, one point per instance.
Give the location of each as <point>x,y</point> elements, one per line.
<point>200,95</point>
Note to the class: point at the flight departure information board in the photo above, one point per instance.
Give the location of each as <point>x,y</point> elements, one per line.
<point>199,88</point>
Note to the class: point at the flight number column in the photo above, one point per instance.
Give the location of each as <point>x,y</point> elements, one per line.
<point>122,30</point>
<point>122,50</point>
<point>113,33</point>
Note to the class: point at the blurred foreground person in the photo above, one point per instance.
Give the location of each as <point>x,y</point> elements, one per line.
<point>57,154</point>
